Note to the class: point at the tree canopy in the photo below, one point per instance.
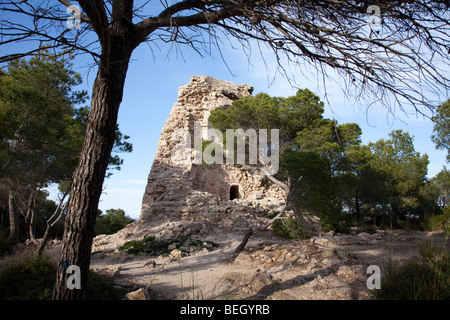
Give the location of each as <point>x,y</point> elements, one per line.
<point>441,131</point>
<point>377,49</point>
<point>39,138</point>
<point>112,221</point>
<point>325,168</point>
<point>43,121</point>
<point>42,128</point>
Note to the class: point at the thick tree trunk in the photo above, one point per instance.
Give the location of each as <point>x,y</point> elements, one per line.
<point>13,219</point>
<point>357,206</point>
<point>89,175</point>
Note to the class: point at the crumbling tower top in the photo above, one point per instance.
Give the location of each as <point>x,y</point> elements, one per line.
<point>174,179</point>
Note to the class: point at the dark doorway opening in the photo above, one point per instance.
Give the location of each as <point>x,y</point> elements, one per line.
<point>234,192</point>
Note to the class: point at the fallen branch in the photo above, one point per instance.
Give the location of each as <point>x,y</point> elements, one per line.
<point>250,232</point>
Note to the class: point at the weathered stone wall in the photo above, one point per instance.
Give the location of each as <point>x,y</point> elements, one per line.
<point>219,179</point>
<point>176,184</point>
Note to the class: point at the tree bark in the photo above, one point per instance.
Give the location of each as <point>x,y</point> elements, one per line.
<point>88,177</point>
<point>357,206</point>
<point>118,39</point>
<point>244,241</point>
<point>29,218</point>
<point>13,218</point>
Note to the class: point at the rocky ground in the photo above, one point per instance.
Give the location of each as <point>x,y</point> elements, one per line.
<point>327,267</point>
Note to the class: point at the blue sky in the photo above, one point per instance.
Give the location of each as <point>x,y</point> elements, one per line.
<point>151,89</point>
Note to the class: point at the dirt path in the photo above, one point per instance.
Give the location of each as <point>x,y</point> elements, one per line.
<point>332,267</point>
<point>328,267</point>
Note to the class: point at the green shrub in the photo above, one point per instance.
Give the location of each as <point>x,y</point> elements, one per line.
<point>147,245</point>
<point>111,222</point>
<point>151,246</point>
<point>369,228</point>
<point>336,220</point>
<point>34,278</point>
<point>438,222</point>
<point>289,228</point>
<point>101,288</point>
<point>420,280</point>
<point>31,279</point>
<point>429,251</point>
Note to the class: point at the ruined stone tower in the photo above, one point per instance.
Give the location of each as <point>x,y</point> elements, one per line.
<point>177,186</point>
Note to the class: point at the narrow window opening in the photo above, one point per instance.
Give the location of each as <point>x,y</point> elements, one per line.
<point>234,192</point>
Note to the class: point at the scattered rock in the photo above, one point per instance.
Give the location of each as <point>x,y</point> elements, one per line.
<point>140,294</point>
<point>175,253</point>
<point>364,235</point>
<point>335,240</point>
<point>122,283</point>
<point>345,271</point>
<point>261,281</point>
<point>302,258</point>
<point>326,263</point>
<point>312,265</point>
<point>243,257</point>
<point>150,264</point>
<point>330,233</point>
<point>172,246</point>
<point>344,240</point>
<point>321,241</point>
<point>280,295</point>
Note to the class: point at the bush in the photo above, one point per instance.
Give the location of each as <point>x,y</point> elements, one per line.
<point>31,279</point>
<point>34,278</point>
<point>100,288</point>
<point>369,228</point>
<point>427,279</point>
<point>339,222</point>
<point>438,222</point>
<point>147,245</point>
<point>151,246</point>
<point>289,228</point>
<point>111,222</point>
<point>422,280</point>
<point>429,252</point>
